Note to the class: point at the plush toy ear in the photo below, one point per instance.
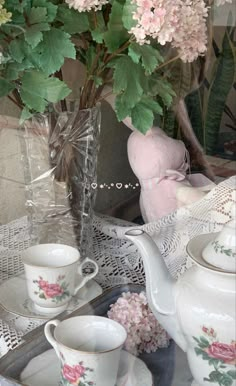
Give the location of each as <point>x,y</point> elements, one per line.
<point>144,154</point>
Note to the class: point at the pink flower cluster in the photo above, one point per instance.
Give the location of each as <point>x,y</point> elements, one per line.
<point>181,23</point>
<point>223,351</point>
<point>86,5</point>
<point>73,374</point>
<point>50,290</point>
<point>144,333</point>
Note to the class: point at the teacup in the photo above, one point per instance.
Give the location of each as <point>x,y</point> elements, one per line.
<point>51,271</point>
<point>88,348</point>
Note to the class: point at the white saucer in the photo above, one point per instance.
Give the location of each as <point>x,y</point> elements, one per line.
<point>14,298</point>
<point>45,370</point>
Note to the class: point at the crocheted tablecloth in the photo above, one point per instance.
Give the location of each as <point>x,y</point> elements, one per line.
<point>118,259</point>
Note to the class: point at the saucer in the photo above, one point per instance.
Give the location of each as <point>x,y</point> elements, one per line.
<point>45,370</point>
<point>14,298</point>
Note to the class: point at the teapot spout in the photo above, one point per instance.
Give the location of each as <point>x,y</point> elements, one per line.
<point>160,286</point>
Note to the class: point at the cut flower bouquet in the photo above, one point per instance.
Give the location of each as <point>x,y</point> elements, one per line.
<point>144,333</point>
<point>126,47</point>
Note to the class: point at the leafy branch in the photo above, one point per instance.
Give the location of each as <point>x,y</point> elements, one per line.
<point>51,32</point>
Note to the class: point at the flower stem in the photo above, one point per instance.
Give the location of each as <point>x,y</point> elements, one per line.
<point>117,52</point>
<point>14,101</point>
<point>168,62</point>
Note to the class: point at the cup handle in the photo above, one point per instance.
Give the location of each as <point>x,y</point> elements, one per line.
<point>87,277</point>
<point>49,336</point>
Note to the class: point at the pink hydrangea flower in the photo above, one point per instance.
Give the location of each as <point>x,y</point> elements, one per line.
<point>181,23</point>
<point>86,5</point>
<point>144,333</point>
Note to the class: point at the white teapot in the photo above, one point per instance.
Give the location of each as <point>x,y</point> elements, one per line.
<point>198,311</point>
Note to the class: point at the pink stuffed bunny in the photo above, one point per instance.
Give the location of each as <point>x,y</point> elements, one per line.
<point>160,163</point>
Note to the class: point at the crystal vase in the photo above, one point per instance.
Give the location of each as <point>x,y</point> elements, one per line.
<point>62,149</point>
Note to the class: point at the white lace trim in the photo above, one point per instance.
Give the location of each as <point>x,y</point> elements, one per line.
<point>118,259</point>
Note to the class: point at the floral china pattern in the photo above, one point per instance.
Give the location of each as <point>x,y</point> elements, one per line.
<point>75,375</point>
<point>221,356</point>
<point>53,291</point>
<point>220,248</point>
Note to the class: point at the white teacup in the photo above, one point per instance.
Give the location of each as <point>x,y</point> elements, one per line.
<point>88,348</point>
<point>51,271</point>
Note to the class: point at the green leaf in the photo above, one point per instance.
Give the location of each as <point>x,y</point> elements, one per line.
<point>37,90</point>
<point>198,351</point>
<point>5,87</point>
<point>127,17</point>
<point>21,51</point>
<point>204,342</point>
<point>55,47</point>
<point>98,32</point>
<point>51,9</point>
<point>128,80</point>
<point>152,105</point>
<point>13,69</point>
<point>161,86</point>
<point>213,362</point>
<point>26,114</point>
<point>142,117</point>
<point>226,380</point>
<point>42,296</point>
<point>37,15</point>
<point>98,81</point>
<point>121,108</point>
<point>205,356</point>
<point>232,373</point>
<point>98,35</point>
<point>150,57</point>
<point>116,34</point>
<point>73,21</point>
<point>218,93</point>
<point>215,376</point>
<point>16,5</point>
<point>142,114</point>
<point>17,50</point>
<point>33,34</point>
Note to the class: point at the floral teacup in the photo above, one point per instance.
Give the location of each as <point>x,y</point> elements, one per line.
<point>88,348</point>
<point>51,272</point>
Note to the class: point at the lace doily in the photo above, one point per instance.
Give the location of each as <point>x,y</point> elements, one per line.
<point>14,238</point>
<point>118,259</point>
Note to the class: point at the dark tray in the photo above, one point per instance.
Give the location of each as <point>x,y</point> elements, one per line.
<point>160,363</point>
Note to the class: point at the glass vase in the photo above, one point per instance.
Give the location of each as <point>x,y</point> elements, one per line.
<point>61,167</point>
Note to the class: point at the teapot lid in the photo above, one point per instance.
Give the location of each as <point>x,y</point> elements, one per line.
<point>216,251</point>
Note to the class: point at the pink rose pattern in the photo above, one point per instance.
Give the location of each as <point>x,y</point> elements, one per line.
<point>76,375</point>
<point>221,356</point>
<point>54,291</point>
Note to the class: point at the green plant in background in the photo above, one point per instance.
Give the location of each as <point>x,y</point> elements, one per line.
<point>127,46</point>
<point>42,34</point>
<point>206,105</point>
<point>231,115</point>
